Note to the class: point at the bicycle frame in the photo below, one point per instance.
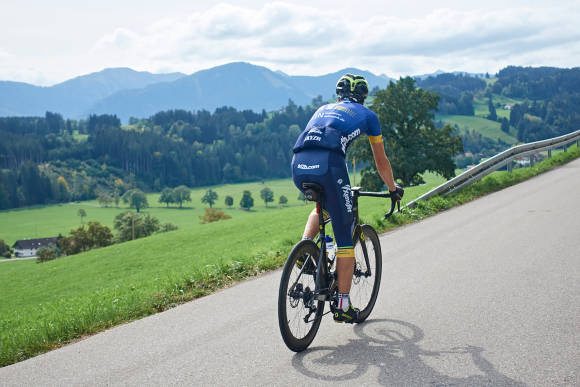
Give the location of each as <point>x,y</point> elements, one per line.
<point>323,286</point>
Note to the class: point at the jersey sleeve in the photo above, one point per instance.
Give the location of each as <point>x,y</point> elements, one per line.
<point>373,126</point>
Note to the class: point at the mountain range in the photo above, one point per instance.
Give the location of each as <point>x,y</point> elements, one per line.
<point>129,93</point>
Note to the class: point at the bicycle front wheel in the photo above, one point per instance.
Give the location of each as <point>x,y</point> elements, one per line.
<point>299,313</point>
<point>366,279</point>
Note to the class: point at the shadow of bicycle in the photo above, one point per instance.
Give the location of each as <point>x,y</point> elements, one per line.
<point>392,347</point>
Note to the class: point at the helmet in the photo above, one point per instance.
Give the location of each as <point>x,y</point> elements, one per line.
<point>352,86</point>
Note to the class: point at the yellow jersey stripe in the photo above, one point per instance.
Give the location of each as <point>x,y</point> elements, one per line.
<point>376,139</point>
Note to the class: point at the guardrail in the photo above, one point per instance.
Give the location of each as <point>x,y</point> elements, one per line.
<point>498,161</point>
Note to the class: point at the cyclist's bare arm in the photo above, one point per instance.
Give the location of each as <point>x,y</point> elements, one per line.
<point>383,164</point>
<point>385,171</point>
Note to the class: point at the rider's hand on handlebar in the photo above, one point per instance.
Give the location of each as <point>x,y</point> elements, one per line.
<point>398,193</point>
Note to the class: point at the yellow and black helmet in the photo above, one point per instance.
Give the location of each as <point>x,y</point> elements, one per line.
<point>352,86</point>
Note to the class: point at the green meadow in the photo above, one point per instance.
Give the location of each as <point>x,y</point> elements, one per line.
<point>50,221</point>
<point>485,127</point>
<point>45,305</point>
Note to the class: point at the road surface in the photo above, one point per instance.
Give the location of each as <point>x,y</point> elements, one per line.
<point>486,294</point>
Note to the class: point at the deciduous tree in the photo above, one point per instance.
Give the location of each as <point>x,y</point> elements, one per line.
<point>413,143</point>
<point>181,194</point>
<point>267,195</point>
<point>136,199</point>
<point>247,200</point>
<point>229,201</point>
<point>130,225</point>
<point>166,196</point>
<point>210,197</point>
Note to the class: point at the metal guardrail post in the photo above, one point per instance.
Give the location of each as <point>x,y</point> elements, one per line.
<point>509,166</point>
<point>565,147</point>
<point>531,160</point>
<point>549,153</point>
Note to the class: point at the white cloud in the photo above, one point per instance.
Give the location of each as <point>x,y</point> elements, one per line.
<point>289,36</point>
<point>304,38</point>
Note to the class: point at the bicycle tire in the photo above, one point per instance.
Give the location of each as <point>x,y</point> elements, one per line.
<point>295,338</point>
<point>364,290</point>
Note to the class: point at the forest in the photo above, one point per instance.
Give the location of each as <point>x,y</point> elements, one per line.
<point>552,100</point>
<point>50,159</point>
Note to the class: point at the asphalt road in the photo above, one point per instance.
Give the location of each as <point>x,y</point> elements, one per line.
<point>487,294</point>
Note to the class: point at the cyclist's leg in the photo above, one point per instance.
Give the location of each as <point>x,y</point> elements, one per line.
<point>339,205</point>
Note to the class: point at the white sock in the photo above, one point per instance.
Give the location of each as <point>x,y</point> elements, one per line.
<point>343,301</point>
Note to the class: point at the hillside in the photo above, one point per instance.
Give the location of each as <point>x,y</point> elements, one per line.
<point>487,128</point>
<point>73,97</point>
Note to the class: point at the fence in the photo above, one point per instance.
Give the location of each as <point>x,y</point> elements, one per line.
<point>500,160</point>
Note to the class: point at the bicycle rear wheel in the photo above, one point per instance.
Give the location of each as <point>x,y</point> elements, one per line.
<point>299,314</point>
<point>366,279</point>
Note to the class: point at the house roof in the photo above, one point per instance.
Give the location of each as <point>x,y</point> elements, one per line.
<point>34,243</point>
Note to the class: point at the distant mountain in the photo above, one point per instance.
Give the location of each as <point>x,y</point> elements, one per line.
<point>241,85</point>
<point>128,93</point>
<point>74,97</point>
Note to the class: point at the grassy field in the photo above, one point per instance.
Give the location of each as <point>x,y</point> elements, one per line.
<point>49,221</point>
<point>487,128</point>
<point>44,305</point>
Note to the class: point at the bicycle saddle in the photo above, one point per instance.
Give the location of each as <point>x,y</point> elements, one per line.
<point>312,191</point>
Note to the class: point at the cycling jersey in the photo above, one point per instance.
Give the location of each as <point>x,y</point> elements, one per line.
<point>319,158</point>
<point>336,125</point>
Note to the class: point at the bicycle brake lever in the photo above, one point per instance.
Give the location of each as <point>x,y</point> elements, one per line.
<point>388,214</point>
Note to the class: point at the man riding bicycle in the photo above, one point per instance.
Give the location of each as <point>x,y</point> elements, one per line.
<point>319,157</point>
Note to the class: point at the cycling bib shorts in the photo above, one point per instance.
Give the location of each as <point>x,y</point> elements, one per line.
<point>319,157</point>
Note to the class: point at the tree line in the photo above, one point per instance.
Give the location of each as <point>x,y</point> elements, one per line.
<point>50,160</point>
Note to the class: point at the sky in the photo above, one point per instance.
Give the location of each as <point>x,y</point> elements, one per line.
<point>47,42</point>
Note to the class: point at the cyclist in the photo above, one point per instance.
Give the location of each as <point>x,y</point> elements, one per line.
<point>319,157</point>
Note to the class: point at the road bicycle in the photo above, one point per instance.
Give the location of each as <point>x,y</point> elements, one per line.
<point>309,279</point>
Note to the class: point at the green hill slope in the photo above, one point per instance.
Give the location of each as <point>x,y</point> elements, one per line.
<point>485,127</point>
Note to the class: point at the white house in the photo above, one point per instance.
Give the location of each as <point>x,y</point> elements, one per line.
<point>28,247</point>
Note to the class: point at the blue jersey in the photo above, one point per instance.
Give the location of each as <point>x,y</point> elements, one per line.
<point>336,125</point>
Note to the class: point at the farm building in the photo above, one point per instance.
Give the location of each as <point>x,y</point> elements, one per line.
<point>28,247</point>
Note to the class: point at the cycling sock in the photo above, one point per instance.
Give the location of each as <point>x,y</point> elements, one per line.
<point>343,301</point>
<point>306,238</point>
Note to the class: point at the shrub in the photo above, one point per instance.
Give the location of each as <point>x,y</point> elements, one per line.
<point>212,215</point>
<point>5,250</point>
<point>47,253</point>
<point>84,239</point>
<point>132,225</point>
<point>165,227</point>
